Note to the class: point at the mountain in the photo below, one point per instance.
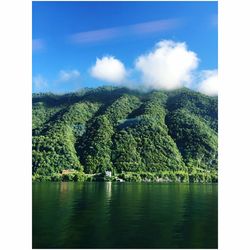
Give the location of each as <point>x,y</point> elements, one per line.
<point>157,135</point>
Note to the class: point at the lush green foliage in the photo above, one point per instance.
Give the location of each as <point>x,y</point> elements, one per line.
<point>196,141</point>
<point>205,107</point>
<point>54,148</point>
<point>155,136</point>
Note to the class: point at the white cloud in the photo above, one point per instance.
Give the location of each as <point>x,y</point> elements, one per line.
<point>123,31</point>
<point>38,44</point>
<point>168,66</point>
<point>209,82</point>
<point>154,26</point>
<point>39,82</point>
<point>65,76</point>
<point>94,35</point>
<point>109,69</point>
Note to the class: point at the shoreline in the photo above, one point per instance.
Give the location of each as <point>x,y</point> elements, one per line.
<point>159,177</point>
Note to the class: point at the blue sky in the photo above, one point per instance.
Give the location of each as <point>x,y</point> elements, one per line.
<point>68,37</point>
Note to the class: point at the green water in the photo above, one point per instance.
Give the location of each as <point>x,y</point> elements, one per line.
<point>124,215</point>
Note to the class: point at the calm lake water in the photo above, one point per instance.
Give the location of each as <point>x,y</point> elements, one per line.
<point>124,215</point>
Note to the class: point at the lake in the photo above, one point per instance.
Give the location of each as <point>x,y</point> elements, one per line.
<point>124,215</point>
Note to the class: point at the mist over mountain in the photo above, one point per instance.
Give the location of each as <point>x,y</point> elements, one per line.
<point>156,135</point>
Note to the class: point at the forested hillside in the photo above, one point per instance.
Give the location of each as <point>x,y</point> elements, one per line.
<point>138,136</point>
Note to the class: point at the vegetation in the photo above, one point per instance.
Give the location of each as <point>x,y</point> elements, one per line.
<point>157,136</point>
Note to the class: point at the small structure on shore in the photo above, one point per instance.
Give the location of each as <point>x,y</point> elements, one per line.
<point>68,171</point>
<point>120,180</point>
<point>108,173</point>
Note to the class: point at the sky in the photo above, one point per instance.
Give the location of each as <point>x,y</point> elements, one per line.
<point>151,45</point>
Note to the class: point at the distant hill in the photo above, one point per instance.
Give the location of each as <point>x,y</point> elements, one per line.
<point>158,135</point>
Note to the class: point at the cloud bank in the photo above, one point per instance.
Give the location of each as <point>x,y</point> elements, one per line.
<point>209,82</point>
<point>168,66</point>
<point>65,76</point>
<point>109,69</point>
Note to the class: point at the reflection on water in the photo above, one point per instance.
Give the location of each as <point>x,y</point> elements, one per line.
<point>124,215</point>
<point>108,191</point>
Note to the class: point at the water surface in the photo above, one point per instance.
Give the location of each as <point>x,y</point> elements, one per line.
<point>124,215</point>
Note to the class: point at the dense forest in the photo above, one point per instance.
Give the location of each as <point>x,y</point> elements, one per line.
<point>136,136</point>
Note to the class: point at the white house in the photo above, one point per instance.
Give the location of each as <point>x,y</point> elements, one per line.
<point>108,173</point>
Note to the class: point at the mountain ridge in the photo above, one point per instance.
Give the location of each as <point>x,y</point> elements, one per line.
<point>163,135</point>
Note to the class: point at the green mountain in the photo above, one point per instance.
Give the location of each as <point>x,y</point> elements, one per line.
<point>138,136</point>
